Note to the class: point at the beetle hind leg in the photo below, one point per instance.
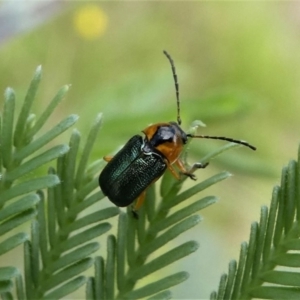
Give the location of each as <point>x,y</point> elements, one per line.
<point>138,203</point>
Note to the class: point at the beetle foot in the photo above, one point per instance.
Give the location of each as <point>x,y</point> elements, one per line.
<point>200,165</point>
<point>193,168</point>
<point>134,213</point>
<point>190,175</point>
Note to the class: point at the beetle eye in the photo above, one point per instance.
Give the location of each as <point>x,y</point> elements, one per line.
<point>166,134</point>
<point>163,134</point>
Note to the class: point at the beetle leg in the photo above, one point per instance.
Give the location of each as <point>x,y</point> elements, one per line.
<point>189,173</point>
<point>199,166</point>
<point>139,201</point>
<point>173,172</point>
<point>183,170</point>
<point>108,158</point>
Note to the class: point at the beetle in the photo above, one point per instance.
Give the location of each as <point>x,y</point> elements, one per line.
<point>143,160</point>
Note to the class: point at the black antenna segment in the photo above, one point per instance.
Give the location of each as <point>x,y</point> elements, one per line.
<point>176,85</point>
<point>222,138</point>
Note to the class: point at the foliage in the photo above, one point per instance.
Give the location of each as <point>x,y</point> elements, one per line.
<point>268,263</point>
<point>54,253</point>
<point>60,249</point>
<point>18,158</point>
<point>61,245</point>
<point>142,237</point>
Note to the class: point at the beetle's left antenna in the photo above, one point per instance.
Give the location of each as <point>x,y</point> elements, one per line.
<point>176,84</point>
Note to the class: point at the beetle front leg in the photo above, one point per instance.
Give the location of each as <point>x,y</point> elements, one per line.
<point>197,166</point>
<point>189,173</point>
<point>173,172</point>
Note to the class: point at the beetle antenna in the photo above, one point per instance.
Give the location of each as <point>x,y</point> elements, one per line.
<point>176,84</point>
<point>222,138</point>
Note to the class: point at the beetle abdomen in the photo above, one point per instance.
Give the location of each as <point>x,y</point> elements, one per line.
<point>130,172</point>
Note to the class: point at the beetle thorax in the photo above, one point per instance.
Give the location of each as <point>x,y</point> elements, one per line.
<point>166,139</point>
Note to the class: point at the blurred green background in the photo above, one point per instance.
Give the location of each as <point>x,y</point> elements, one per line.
<point>238,65</point>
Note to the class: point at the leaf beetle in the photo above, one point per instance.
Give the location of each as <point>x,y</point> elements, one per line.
<point>143,160</point>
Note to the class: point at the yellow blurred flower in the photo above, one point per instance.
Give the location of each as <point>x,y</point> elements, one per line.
<point>90,21</point>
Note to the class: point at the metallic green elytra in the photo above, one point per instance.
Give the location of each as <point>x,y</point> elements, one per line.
<point>127,174</point>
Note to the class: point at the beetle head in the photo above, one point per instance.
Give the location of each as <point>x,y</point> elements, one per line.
<point>165,138</point>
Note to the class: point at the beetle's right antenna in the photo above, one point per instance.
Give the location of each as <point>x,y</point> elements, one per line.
<point>222,138</point>
<point>176,85</point>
